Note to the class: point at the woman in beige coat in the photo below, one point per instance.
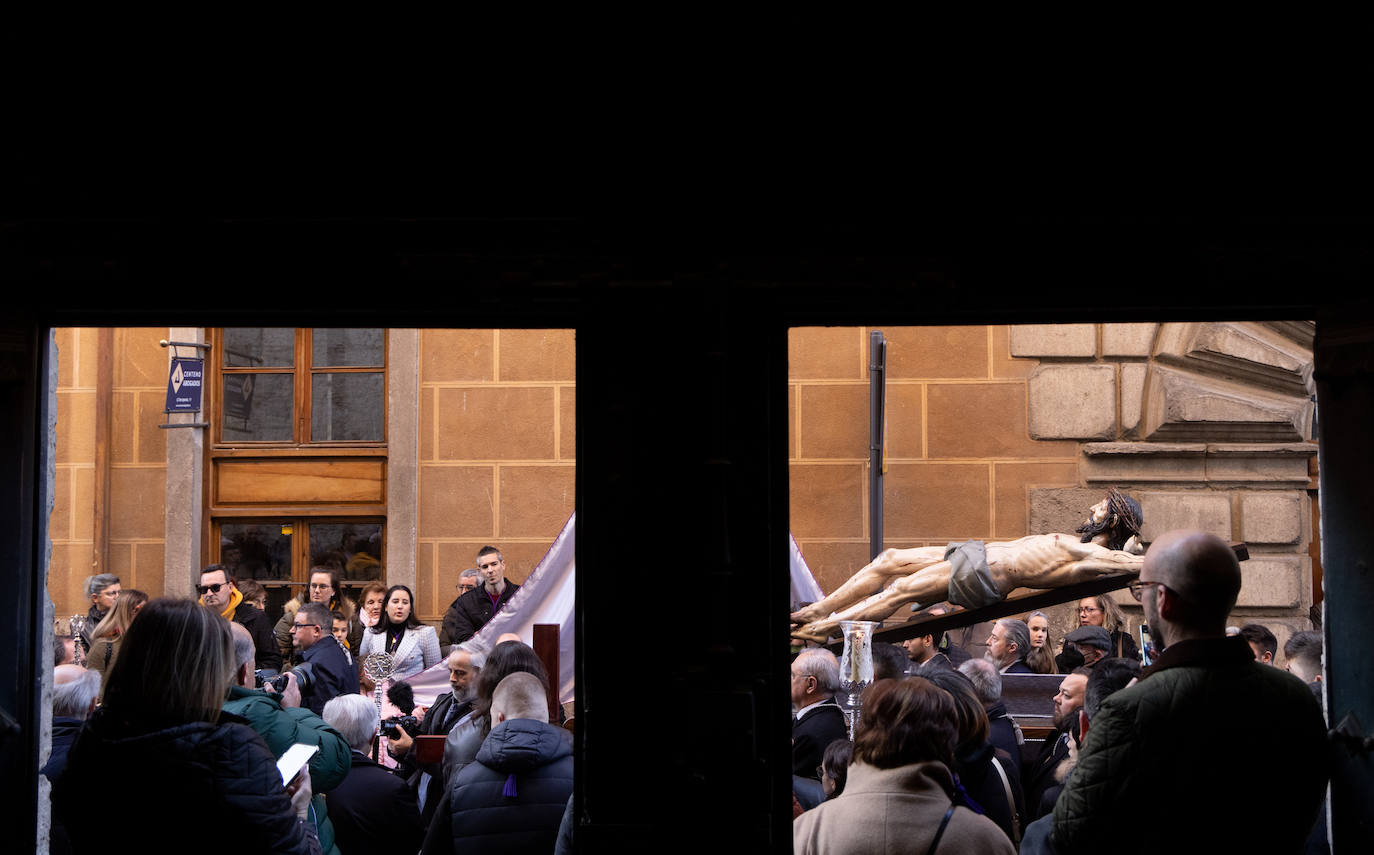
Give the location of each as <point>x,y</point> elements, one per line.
<point>897,798</point>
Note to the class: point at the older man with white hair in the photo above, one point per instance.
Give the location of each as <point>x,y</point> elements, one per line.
<point>465,663</point>
<point>819,720</point>
<point>373,810</point>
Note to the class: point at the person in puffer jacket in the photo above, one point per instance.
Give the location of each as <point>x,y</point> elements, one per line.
<point>525,763</point>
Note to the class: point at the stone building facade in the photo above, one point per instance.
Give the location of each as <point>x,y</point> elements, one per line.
<point>998,432</point>
<point>993,432</point>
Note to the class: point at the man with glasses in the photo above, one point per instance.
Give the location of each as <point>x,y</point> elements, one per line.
<point>218,591</point>
<point>471,611</point>
<point>324,672</point>
<point>1161,763</point>
<point>468,580</point>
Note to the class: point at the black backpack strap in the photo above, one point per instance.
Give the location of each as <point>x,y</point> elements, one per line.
<point>940,832</point>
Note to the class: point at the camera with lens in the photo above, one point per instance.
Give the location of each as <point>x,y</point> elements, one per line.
<point>276,682</point>
<point>392,727</point>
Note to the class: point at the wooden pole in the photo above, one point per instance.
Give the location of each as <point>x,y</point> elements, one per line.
<point>546,648</point>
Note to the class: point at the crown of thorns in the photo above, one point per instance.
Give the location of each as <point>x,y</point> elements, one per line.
<point>1124,509</point>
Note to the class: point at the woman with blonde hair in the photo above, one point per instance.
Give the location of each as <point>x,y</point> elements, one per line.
<point>160,734</point>
<point>108,634</point>
<point>1040,659</point>
<point>1102,611</point>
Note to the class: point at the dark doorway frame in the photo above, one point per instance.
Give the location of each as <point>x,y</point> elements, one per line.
<point>682,466</point>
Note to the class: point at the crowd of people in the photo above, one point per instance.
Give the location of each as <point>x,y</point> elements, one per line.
<point>1141,746</point>
<point>187,706</point>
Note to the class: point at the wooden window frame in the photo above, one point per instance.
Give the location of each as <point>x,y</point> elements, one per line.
<point>299,447</point>
<point>303,373</point>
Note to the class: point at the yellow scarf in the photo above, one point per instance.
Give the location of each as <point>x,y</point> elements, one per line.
<point>235,598</point>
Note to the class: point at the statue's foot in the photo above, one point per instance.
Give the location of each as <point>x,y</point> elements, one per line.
<point>801,617</point>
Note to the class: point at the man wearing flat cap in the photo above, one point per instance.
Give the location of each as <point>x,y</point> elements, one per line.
<point>1092,641</point>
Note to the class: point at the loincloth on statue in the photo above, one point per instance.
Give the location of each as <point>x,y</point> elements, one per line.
<point>970,578</point>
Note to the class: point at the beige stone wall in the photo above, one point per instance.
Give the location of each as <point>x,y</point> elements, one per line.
<point>998,432</point>
<point>135,484</point>
<point>960,460</point>
<point>496,452</point>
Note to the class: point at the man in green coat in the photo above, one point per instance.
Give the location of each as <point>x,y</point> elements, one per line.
<point>283,726</point>
<point>1168,763</point>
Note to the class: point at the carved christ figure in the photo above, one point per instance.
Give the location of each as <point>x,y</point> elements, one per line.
<point>974,573</point>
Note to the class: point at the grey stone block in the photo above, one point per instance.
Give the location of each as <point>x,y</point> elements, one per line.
<point>1127,339</point>
<point>1271,517</point>
<point>1210,512</point>
<point>1143,463</point>
<point>1042,340</point>
<point>1271,581</point>
<point>1073,402</point>
<point>1270,464</point>
<point>1182,406</point>
<point>1132,393</point>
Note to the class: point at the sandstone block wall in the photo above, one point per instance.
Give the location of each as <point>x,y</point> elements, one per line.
<point>134,459</point>
<point>997,432</point>
<point>497,462</point>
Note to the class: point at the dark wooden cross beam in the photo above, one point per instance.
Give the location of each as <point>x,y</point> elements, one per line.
<point>1020,600</point>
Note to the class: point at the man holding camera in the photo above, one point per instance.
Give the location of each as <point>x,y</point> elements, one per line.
<point>324,672</point>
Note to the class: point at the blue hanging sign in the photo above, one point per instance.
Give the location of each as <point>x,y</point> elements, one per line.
<point>184,384</point>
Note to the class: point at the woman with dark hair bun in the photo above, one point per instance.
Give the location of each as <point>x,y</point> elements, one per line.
<point>413,646</point>
<point>159,740</point>
<point>898,796</point>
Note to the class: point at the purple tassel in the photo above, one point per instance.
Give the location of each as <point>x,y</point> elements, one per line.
<point>509,790</point>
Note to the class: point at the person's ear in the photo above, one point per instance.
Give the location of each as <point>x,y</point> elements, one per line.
<point>500,717</point>
<point>241,676</point>
<point>1082,725</point>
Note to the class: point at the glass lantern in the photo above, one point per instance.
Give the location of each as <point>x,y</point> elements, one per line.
<point>856,664</point>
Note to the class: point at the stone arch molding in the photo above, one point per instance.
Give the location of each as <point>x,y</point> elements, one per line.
<point>1228,382</point>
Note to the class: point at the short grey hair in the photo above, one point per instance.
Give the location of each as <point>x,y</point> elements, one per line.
<point>74,699</point>
<point>520,695</point>
<point>99,582</point>
<point>477,654</point>
<point>1017,633</point>
<point>470,573</point>
<point>820,663</point>
<point>986,680</point>
<point>244,651</point>
<point>355,717</point>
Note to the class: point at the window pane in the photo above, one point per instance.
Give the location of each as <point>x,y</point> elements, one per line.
<point>256,551</point>
<point>353,549</point>
<point>347,348</point>
<point>257,347</point>
<point>257,407</point>
<point>346,407</point>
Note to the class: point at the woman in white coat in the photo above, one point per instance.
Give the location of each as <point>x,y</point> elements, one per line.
<point>413,645</point>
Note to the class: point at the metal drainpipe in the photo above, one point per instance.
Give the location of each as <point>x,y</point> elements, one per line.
<point>877,400</point>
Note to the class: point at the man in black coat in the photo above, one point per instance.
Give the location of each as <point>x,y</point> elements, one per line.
<point>1038,777</point>
<point>471,611</point>
<point>373,811</point>
<point>819,720</point>
<point>325,672</point>
<point>427,779</point>
<point>218,592</point>
<point>470,579</point>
